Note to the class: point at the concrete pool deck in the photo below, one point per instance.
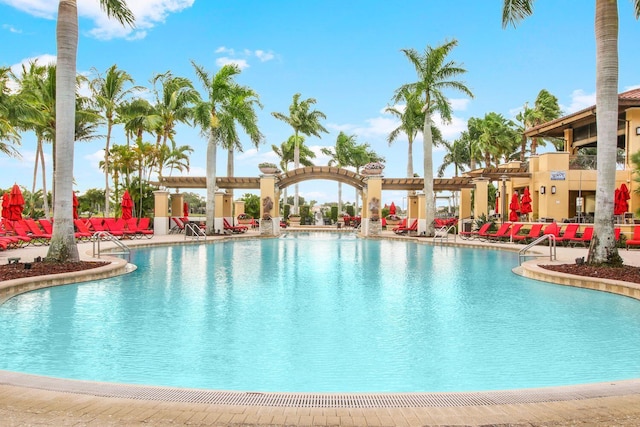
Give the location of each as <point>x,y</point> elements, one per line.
<point>32,400</point>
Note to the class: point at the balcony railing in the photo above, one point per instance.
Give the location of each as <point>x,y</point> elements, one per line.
<point>590,162</point>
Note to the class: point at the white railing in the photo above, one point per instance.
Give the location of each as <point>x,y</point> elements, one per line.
<point>522,253</point>
<point>105,235</point>
<point>442,233</point>
<point>194,232</point>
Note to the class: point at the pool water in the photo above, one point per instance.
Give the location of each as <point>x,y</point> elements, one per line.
<point>324,313</point>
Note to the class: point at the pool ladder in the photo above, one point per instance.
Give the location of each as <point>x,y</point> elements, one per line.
<point>522,253</point>
<point>442,233</point>
<point>99,236</point>
<point>194,232</point>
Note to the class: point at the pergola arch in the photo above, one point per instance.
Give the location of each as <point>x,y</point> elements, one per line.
<point>321,172</point>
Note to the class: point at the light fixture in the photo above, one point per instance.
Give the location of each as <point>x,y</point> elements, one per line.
<point>543,189</point>
<point>553,189</point>
<point>638,130</point>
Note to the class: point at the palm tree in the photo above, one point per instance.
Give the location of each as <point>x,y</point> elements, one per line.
<point>606,28</point>
<point>434,76</point>
<point>340,158</point>
<point>215,117</point>
<point>496,137</point>
<point>109,93</point>
<point>286,153</point>
<point>457,155</point>
<point>8,118</point>
<point>304,121</point>
<point>177,157</point>
<point>63,244</point>
<point>411,122</point>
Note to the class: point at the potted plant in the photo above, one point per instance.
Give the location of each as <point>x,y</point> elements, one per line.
<point>268,168</point>
<point>373,168</point>
<point>243,218</point>
<point>294,220</point>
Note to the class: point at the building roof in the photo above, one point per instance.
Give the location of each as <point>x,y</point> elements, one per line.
<point>555,128</point>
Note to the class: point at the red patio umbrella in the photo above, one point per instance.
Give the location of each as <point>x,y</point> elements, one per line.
<point>525,203</point>
<point>392,209</point>
<point>620,201</point>
<point>497,204</point>
<point>16,204</point>
<point>185,210</point>
<point>514,207</point>
<point>127,206</point>
<point>6,200</point>
<point>75,206</point>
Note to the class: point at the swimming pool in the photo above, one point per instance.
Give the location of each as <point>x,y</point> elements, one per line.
<point>323,312</point>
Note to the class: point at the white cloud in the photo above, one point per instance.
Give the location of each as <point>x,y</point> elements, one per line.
<point>264,56</point>
<point>148,14</point>
<point>579,101</point>
<point>459,104</point>
<point>11,29</point>
<point>241,63</point>
<point>223,49</point>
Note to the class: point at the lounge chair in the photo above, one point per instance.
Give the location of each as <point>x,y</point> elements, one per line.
<point>484,229</point>
<point>570,232</point>
<point>18,230</point>
<point>178,226</point>
<point>35,229</point>
<point>502,233</point>
<point>402,224</point>
<point>97,224</point>
<point>118,228</point>
<point>234,228</point>
<point>585,239</point>
<point>533,234</point>
<point>407,230</point>
<point>46,225</point>
<point>135,226</point>
<point>514,230</point>
<point>82,231</point>
<point>635,239</point>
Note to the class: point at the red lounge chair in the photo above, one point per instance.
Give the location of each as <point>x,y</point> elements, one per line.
<point>402,224</point>
<point>83,232</point>
<point>484,228</point>
<point>407,230</point>
<point>514,230</point>
<point>586,237</point>
<point>117,227</point>
<point>14,228</point>
<point>97,224</point>
<point>234,228</point>
<point>502,233</point>
<point>178,226</point>
<point>35,229</point>
<point>533,234</point>
<point>133,225</point>
<point>46,225</point>
<point>635,240</point>
<point>569,233</point>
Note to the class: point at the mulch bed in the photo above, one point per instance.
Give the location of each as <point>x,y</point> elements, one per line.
<point>17,271</point>
<point>626,273</point>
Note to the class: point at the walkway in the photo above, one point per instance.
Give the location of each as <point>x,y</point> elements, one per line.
<point>28,400</point>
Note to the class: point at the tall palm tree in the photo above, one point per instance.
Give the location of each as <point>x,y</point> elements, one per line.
<point>457,155</point>
<point>304,121</point>
<point>214,115</point>
<point>63,244</point>
<point>340,157</point>
<point>411,122</point>
<point>109,92</point>
<point>286,154</point>
<point>606,30</point>
<point>435,73</point>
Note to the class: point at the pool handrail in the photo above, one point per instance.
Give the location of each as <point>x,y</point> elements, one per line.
<point>522,253</point>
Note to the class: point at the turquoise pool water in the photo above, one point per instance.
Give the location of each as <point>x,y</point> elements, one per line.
<point>323,312</point>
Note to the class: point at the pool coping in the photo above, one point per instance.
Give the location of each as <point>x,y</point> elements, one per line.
<point>529,269</point>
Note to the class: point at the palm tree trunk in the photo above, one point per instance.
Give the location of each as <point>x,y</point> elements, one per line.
<point>339,198</point>
<point>63,244</point>
<point>107,195</point>
<point>427,142</point>
<point>211,182</point>
<point>606,27</point>
<point>296,164</point>
<point>35,166</point>
<point>45,202</point>
<point>230,167</point>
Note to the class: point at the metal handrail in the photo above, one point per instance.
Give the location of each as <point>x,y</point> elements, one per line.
<point>98,236</point>
<point>522,253</point>
<point>196,232</point>
<point>439,233</point>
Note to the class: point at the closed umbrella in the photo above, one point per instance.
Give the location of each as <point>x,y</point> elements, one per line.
<point>16,204</point>
<point>127,206</point>
<point>525,203</point>
<point>392,209</point>
<point>75,206</point>
<point>6,200</point>
<point>620,202</point>
<point>185,210</point>
<point>514,207</point>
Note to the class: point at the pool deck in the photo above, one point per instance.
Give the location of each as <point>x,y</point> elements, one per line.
<point>32,400</point>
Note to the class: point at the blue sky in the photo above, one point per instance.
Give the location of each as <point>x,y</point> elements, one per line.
<point>346,54</point>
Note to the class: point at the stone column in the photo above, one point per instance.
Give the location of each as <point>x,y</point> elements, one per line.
<point>161,212</point>
<point>269,198</point>
<point>177,201</point>
<point>481,197</point>
<point>371,201</point>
